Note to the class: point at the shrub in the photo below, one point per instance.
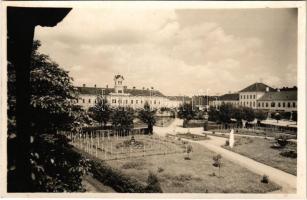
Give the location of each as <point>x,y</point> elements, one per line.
<point>217,162</point>
<point>289,154</point>
<point>282,140</point>
<point>265,179</point>
<point>153,185</point>
<point>160,169</point>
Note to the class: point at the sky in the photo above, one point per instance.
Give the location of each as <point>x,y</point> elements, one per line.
<point>176,51</point>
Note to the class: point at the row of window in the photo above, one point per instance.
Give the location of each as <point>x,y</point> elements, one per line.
<point>279,104</point>
<point>83,100</point>
<point>251,96</point>
<point>119,101</point>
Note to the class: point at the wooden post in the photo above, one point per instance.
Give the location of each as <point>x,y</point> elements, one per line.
<point>144,150</point>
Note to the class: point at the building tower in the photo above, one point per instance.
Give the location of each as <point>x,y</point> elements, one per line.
<point>118,84</point>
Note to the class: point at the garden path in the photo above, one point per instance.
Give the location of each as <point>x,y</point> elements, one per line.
<point>286,180</point>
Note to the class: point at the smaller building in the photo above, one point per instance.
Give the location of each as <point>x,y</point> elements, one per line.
<point>278,101</point>
<point>230,98</point>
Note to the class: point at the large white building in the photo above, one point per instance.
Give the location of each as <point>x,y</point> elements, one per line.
<point>121,96</point>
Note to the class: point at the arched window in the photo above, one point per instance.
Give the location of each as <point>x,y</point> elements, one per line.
<point>273,104</point>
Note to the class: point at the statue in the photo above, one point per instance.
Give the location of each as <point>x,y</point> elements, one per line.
<point>231,139</point>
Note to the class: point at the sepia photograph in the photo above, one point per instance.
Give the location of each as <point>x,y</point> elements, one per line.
<point>179,98</point>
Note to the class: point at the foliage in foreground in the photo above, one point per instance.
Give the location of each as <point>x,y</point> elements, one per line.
<point>54,167</point>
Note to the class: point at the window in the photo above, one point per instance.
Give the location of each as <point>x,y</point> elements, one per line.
<point>141,101</point>
<point>126,101</point>
<point>253,104</point>
<point>131,101</point>
<point>293,105</point>
<point>119,101</point>
<point>273,104</point>
<point>83,100</point>
<point>95,101</point>
<point>278,105</point>
<point>266,104</point>
<point>119,82</point>
<point>77,101</point>
<point>113,100</point>
<point>120,91</point>
<point>89,100</point>
<point>289,105</point>
<point>283,104</point>
<point>254,96</point>
<point>136,101</point>
<point>243,96</point>
<point>246,96</point>
<point>154,101</point>
<point>251,96</point>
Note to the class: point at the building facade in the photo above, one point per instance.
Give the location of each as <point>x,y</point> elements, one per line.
<point>121,96</point>
<point>261,96</point>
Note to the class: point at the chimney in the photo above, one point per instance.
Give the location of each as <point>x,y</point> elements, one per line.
<point>84,85</point>
<point>143,88</point>
<point>95,85</point>
<point>134,87</point>
<point>267,89</point>
<point>107,86</point>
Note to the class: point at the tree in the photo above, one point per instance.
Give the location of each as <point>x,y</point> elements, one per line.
<point>225,113</point>
<point>238,115</point>
<point>122,120</point>
<point>277,117</point>
<point>217,162</point>
<point>260,115</point>
<point>146,115</point>
<point>186,112</point>
<point>213,114</point>
<point>54,166</point>
<point>189,149</point>
<point>101,111</point>
<point>294,116</point>
<point>248,114</point>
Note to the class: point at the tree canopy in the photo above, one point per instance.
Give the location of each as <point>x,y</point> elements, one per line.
<point>146,115</point>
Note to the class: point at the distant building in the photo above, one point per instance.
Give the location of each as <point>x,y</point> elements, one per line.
<point>121,96</point>
<point>231,98</point>
<point>261,96</point>
<point>248,96</point>
<point>279,101</point>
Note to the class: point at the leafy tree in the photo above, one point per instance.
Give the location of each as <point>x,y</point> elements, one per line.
<point>260,115</point>
<point>122,119</point>
<point>277,117</point>
<point>217,162</point>
<point>248,114</point>
<point>186,112</point>
<point>294,116</point>
<point>237,114</point>
<point>153,185</point>
<point>213,114</point>
<point>54,166</point>
<point>147,116</point>
<point>101,111</point>
<point>189,149</point>
<point>225,113</point>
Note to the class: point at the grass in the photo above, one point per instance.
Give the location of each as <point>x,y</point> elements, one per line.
<point>260,150</point>
<point>198,175</point>
<point>193,136</point>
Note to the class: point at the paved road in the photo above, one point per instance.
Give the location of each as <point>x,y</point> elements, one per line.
<point>286,180</point>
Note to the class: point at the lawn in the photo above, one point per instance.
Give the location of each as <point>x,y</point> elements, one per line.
<point>260,150</point>
<point>197,175</point>
<point>192,136</point>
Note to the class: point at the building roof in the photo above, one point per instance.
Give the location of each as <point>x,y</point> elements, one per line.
<point>279,96</point>
<point>107,91</point>
<point>89,90</point>
<point>229,97</point>
<point>257,87</point>
<point>179,98</point>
